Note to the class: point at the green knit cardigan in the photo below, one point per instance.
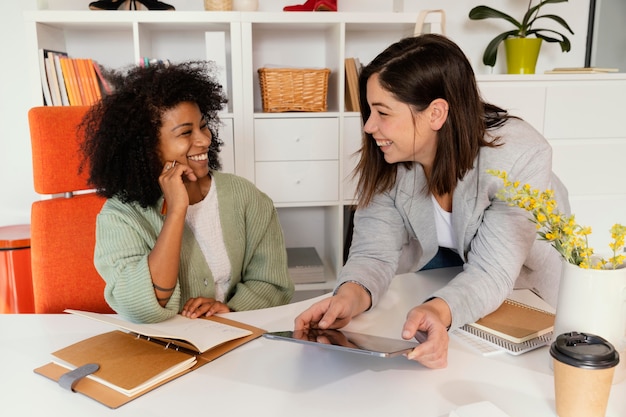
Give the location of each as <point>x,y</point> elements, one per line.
<point>126,233</point>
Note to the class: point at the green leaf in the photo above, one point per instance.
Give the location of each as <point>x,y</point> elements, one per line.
<point>485,12</point>
<point>557,19</point>
<point>563,41</point>
<point>491,51</point>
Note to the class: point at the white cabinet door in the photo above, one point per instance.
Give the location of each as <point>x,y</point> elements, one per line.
<point>594,109</point>
<point>296,139</point>
<point>299,181</point>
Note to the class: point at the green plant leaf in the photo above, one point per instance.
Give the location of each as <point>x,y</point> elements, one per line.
<point>524,29</point>
<point>557,19</point>
<point>564,42</point>
<point>551,1</point>
<point>491,51</point>
<point>485,12</point>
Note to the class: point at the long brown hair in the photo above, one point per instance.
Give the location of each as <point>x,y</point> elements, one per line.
<point>416,71</point>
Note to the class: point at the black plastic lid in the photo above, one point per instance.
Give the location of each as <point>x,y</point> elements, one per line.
<point>584,350</point>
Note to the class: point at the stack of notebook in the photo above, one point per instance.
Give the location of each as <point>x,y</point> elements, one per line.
<point>305,265</point>
<point>515,327</point>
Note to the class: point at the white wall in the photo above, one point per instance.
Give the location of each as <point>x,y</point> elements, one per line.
<point>16,184</point>
<point>16,189</point>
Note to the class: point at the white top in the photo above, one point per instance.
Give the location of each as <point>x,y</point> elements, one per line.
<point>443,223</point>
<point>204,220</point>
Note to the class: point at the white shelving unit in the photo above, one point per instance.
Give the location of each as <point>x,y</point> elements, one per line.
<point>303,160</point>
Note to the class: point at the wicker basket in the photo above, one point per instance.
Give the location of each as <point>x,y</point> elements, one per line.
<point>289,89</point>
<point>218,5</point>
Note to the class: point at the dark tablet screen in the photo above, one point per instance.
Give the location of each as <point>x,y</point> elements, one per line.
<point>347,341</point>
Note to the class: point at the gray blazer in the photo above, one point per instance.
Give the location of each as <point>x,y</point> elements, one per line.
<point>396,233</point>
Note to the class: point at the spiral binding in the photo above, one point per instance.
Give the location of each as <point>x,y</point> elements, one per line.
<point>167,344</point>
<point>508,346</point>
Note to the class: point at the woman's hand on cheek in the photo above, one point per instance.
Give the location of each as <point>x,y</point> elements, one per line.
<point>171,183</point>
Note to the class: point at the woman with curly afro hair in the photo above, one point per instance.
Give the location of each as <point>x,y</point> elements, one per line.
<point>176,235</point>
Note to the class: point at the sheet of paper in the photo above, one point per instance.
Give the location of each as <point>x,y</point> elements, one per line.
<point>204,334</point>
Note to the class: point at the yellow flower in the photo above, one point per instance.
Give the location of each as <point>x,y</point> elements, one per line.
<point>566,236</point>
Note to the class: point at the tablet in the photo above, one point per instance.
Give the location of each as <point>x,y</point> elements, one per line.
<point>347,341</point>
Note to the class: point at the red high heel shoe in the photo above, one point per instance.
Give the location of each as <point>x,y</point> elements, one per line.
<point>313,6</point>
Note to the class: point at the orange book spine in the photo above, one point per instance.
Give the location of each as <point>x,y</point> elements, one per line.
<point>71,82</point>
<point>83,85</point>
<point>93,80</point>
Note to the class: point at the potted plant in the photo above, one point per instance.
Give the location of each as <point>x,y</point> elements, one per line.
<point>524,33</point>
<point>592,288</point>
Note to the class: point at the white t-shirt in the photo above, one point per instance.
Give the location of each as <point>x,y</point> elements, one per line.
<point>204,220</point>
<point>443,224</point>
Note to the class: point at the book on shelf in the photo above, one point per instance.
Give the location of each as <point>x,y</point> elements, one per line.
<point>105,86</point>
<point>305,265</point>
<point>53,82</point>
<point>89,80</point>
<point>516,322</point>
<point>352,84</point>
<point>71,81</point>
<point>136,358</point>
<point>45,86</point>
<point>581,70</point>
<point>81,81</point>
<point>352,66</point>
<point>60,79</point>
<point>93,79</point>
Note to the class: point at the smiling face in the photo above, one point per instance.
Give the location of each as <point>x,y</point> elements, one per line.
<point>402,134</point>
<point>185,137</point>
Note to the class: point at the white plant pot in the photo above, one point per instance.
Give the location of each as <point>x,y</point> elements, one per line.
<point>594,301</point>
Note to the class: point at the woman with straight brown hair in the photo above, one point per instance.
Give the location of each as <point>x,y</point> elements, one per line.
<point>426,200</point>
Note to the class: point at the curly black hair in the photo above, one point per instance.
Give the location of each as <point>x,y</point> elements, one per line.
<point>121,131</point>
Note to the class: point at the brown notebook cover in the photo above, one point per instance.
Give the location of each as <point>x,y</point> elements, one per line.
<point>516,322</point>
<point>127,360</point>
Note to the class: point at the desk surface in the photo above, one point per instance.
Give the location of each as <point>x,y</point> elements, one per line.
<point>274,378</point>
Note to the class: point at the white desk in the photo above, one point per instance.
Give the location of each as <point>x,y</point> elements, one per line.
<point>274,378</point>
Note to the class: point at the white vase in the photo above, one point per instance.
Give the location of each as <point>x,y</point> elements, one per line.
<point>245,5</point>
<point>594,301</point>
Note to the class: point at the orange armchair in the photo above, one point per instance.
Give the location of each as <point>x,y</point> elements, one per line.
<point>63,223</point>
